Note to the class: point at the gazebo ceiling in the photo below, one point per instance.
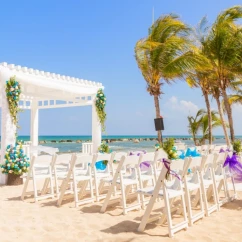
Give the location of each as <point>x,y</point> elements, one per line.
<point>42,85</point>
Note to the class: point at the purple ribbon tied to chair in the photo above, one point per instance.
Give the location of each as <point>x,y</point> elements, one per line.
<point>169,171</point>
<point>235,167</point>
<point>145,165</point>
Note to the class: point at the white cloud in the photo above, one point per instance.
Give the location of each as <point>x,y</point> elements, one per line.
<point>186,107</point>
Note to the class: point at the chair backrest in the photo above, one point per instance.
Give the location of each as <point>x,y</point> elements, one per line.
<point>132,161</point>
<point>43,159</point>
<point>85,159</point>
<point>207,161</point>
<point>219,159</point>
<point>160,154</point>
<point>178,165</point>
<point>149,157</point>
<point>63,159</point>
<point>118,155</point>
<point>195,163</point>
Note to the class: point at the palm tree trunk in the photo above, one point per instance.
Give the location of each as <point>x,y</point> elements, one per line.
<point>220,110</point>
<point>210,136</point>
<point>157,111</point>
<point>229,114</point>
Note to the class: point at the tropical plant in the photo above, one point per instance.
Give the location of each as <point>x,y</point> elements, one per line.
<point>223,48</point>
<point>104,148</point>
<point>168,147</point>
<point>200,76</point>
<point>164,55</point>
<point>200,124</point>
<point>237,146</point>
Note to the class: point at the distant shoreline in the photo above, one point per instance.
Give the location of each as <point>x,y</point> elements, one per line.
<point>47,139</point>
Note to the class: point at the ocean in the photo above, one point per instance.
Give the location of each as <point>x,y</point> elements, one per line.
<point>72,145</point>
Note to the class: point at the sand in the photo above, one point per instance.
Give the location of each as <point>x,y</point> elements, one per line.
<point>43,221</point>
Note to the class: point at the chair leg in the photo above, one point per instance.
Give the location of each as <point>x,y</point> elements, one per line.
<point>25,187</point>
<point>147,213</point>
<point>35,190</point>
<point>123,201</point>
<point>51,187</point>
<point>168,214</point>
<point>189,206</point>
<point>75,183</point>
<point>205,199</point>
<point>91,188</point>
<point>109,194</point>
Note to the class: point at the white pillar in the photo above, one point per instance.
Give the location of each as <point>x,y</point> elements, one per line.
<point>96,130</point>
<point>34,129</point>
<point>8,129</point>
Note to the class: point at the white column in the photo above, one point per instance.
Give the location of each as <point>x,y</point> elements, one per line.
<point>96,130</point>
<point>8,129</point>
<point>34,129</point>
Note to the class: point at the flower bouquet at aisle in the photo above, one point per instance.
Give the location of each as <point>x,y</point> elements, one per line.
<point>16,163</point>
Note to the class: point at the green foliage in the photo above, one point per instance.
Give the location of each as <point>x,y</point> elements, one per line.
<point>237,146</point>
<point>199,123</point>
<point>16,162</point>
<point>100,107</point>
<point>104,148</point>
<point>168,147</point>
<point>13,91</point>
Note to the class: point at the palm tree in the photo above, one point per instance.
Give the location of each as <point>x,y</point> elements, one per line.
<point>194,125</point>
<point>164,55</point>
<point>200,123</point>
<point>200,76</point>
<point>235,98</point>
<point>216,94</point>
<point>223,48</point>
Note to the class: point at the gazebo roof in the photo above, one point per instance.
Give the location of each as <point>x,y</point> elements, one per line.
<point>45,86</point>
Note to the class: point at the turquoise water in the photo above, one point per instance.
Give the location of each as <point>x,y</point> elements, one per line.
<point>115,146</point>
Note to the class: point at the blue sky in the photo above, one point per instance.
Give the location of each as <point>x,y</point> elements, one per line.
<point>95,40</point>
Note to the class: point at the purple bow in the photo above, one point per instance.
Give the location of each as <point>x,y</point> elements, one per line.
<point>235,167</point>
<point>144,165</point>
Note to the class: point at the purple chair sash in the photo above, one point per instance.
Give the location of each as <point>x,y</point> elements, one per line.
<point>235,167</point>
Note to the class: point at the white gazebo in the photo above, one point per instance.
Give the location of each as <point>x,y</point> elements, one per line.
<point>41,90</point>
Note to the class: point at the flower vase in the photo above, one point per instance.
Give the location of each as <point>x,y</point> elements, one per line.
<point>14,180</point>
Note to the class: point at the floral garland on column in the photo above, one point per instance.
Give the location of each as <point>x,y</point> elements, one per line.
<point>100,107</point>
<point>13,91</point>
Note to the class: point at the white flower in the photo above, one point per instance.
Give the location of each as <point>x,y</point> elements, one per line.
<point>8,164</point>
<point>11,89</point>
<point>10,171</point>
<point>16,88</point>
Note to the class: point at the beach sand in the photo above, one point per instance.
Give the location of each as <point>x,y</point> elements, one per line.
<point>43,221</point>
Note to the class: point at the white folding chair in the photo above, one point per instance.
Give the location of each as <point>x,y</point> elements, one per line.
<point>102,177</point>
<point>40,169</point>
<point>220,178</point>
<point>128,183</point>
<point>192,184</point>
<point>229,176</point>
<point>80,179</point>
<point>145,176</point>
<point>168,193</point>
<point>208,183</point>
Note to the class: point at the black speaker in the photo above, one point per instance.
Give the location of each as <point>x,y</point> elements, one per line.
<point>159,124</point>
